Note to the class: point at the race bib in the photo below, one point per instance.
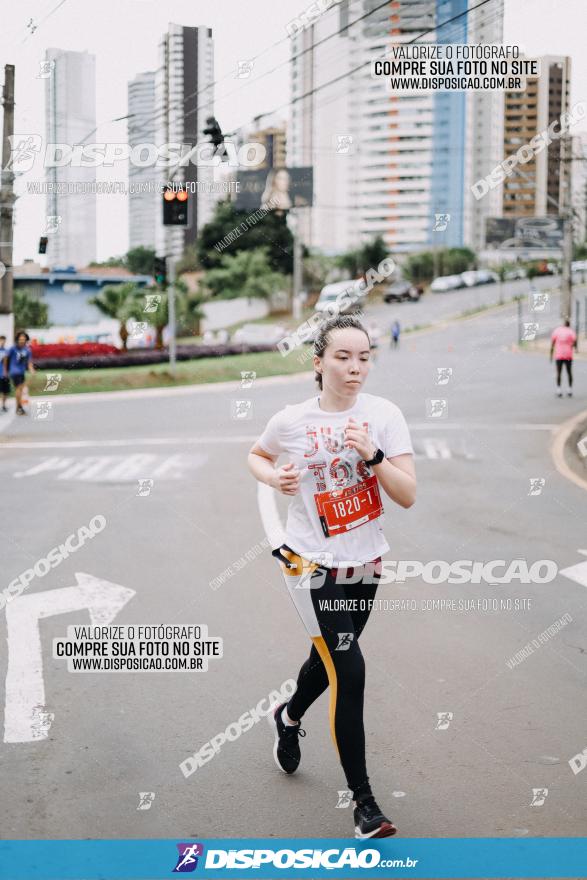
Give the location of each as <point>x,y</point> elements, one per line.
<point>344,509</point>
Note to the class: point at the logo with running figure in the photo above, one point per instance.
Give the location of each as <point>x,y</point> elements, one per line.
<point>188,857</point>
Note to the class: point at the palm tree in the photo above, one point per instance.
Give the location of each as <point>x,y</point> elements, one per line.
<point>113,302</point>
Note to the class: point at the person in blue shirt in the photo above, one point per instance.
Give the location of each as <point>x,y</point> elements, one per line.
<point>17,360</point>
<point>4,380</point>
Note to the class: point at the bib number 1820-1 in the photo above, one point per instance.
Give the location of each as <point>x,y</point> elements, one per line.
<point>343,509</point>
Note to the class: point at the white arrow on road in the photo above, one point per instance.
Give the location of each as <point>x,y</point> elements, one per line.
<point>578,572</point>
<point>25,719</point>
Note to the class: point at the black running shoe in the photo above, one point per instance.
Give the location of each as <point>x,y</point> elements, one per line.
<point>370,821</point>
<point>286,750</point>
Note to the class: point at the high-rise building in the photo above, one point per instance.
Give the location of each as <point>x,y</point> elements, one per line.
<point>579,184</point>
<point>273,138</point>
<point>386,162</point>
<point>536,187</point>
<point>184,99</point>
<point>70,118</point>
<point>144,200</point>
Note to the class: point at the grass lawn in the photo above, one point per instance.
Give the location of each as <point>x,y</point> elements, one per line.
<point>219,369</point>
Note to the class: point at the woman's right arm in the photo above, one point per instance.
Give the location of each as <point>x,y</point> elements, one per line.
<point>285,479</point>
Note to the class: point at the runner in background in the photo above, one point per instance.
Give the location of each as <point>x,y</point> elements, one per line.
<point>4,380</point>
<point>562,343</point>
<point>345,450</point>
<point>19,359</point>
<point>395,333</point>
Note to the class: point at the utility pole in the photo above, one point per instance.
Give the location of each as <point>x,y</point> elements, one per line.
<point>7,197</point>
<point>566,212</point>
<point>171,310</point>
<point>297,269</point>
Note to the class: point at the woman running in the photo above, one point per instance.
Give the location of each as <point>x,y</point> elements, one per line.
<point>343,446</point>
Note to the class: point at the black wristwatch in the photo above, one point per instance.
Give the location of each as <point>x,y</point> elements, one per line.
<point>377,458</point>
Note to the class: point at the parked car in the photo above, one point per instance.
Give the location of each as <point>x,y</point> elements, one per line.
<point>514,274</point>
<point>330,293</point>
<point>257,334</point>
<point>401,291</point>
<point>446,282</point>
<point>479,276</point>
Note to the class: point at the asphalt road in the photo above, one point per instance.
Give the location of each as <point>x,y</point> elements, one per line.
<point>96,740</point>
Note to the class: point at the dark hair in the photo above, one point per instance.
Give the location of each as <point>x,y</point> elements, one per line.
<point>325,329</point>
<point>21,333</point>
<point>567,323</point>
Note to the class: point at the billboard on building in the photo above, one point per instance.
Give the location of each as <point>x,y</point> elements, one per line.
<point>278,189</point>
<point>524,232</point>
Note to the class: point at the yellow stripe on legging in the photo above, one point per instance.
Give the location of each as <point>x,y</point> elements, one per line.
<point>324,653</point>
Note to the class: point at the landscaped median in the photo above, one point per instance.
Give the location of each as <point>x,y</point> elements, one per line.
<point>156,375</point>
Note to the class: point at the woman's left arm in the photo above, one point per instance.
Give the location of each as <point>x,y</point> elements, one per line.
<point>397,475</point>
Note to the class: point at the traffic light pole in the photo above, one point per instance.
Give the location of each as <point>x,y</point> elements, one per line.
<point>171,311</point>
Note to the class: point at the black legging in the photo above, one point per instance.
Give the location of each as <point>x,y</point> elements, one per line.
<point>559,369</point>
<point>342,666</point>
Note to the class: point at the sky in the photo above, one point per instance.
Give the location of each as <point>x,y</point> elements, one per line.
<point>124,36</point>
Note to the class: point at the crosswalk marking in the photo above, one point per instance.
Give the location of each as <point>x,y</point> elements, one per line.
<point>115,468</point>
<point>436,447</point>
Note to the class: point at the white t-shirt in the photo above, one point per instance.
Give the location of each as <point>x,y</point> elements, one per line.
<point>313,440</point>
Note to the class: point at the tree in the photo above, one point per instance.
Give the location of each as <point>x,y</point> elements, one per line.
<point>116,262</point>
<point>270,231</point>
<point>455,260</point>
<point>356,262</point>
<point>372,253</point>
<point>190,312</point>
<point>419,267</point>
<point>318,270</point>
<point>29,310</point>
<point>189,262</point>
<point>139,260</point>
<point>247,273</point>
<point>113,301</point>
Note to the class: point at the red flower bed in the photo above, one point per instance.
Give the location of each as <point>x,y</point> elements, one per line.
<point>71,349</point>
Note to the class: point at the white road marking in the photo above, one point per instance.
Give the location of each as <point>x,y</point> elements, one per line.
<point>115,468</point>
<point>578,572</point>
<point>25,688</point>
<point>250,438</point>
<point>436,447</point>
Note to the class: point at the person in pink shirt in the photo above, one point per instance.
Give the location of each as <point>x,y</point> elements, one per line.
<point>562,343</point>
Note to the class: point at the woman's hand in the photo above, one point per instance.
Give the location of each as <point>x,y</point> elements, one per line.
<point>286,479</point>
<point>356,437</point>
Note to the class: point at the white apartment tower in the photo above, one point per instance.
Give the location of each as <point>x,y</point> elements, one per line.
<point>386,162</point>
<point>70,118</point>
<point>143,200</point>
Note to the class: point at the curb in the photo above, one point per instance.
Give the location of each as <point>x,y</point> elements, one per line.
<point>561,440</point>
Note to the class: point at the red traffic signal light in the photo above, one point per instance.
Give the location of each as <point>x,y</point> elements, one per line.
<point>175,205</point>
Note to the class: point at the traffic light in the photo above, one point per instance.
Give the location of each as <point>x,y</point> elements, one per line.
<point>160,271</point>
<point>214,131</point>
<point>43,242</point>
<point>175,206</point>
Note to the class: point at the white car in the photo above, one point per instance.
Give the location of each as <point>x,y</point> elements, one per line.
<point>331,293</point>
<point>446,282</point>
<point>514,274</point>
<point>257,334</point>
<point>479,276</point>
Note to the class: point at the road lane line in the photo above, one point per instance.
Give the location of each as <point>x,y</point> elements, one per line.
<point>250,438</point>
